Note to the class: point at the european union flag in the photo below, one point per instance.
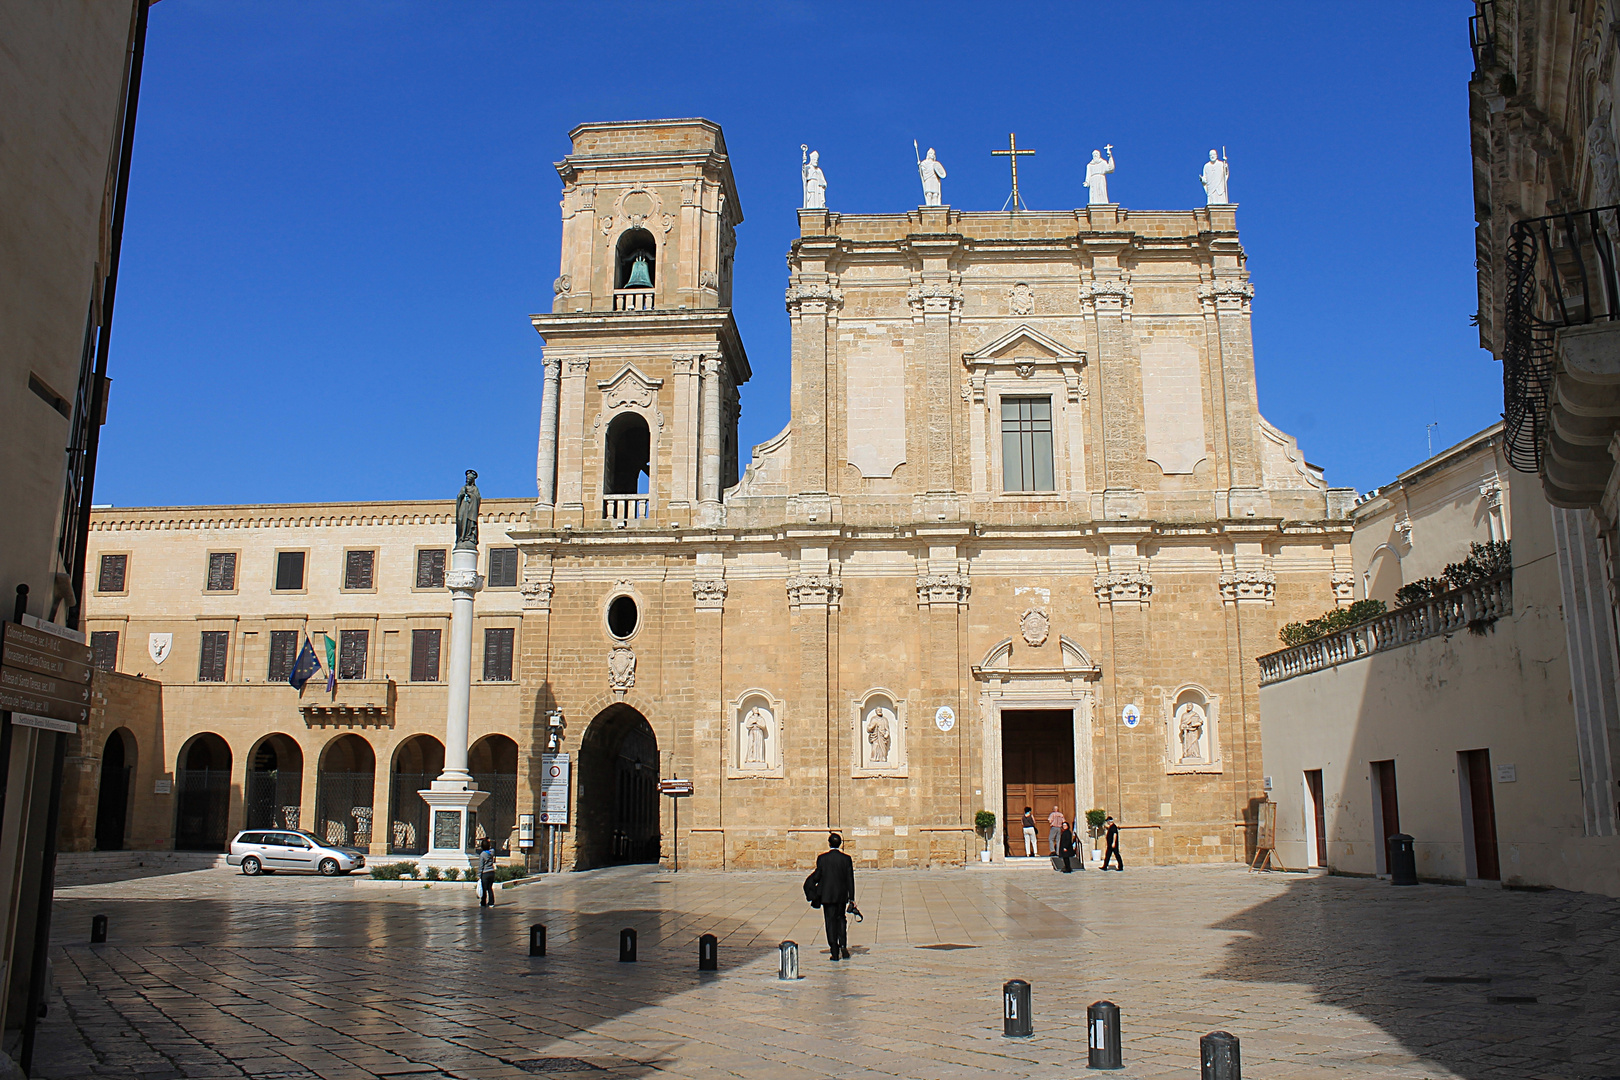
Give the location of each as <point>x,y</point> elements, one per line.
<point>305,667</point>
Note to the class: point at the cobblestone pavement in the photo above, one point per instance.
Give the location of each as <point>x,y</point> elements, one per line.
<point>210,974</point>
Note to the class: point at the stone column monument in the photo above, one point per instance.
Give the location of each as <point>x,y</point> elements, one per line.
<point>454,798</point>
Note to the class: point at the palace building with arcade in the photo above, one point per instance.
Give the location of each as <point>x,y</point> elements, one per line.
<point>1025,485</point>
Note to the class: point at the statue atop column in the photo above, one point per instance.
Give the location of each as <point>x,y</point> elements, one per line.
<point>1097,171</point>
<point>1214,179</point>
<point>815,181</point>
<point>932,172</point>
<point>467,513</point>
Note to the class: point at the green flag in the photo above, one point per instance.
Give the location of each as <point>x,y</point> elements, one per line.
<point>331,663</point>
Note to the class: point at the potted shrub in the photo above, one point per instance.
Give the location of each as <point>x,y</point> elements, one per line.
<point>984,823</point>
<point>1094,826</point>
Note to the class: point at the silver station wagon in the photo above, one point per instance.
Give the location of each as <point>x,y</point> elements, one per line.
<point>264,851</point>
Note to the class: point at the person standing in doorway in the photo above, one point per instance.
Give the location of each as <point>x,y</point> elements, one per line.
<point>1030,848</point>
<point>486,875</point>
<point>1054,822</point>
<point>1111,831</point>
<point>832,884</point>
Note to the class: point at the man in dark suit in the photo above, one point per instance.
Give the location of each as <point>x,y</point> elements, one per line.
<point>1112,833</point>
<point>832,886</point>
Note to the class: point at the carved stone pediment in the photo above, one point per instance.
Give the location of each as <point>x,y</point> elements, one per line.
<point>629,387</point>
<point>1025,352</point>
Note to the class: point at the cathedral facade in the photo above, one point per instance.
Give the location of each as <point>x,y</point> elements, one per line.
<point>1019,545</point>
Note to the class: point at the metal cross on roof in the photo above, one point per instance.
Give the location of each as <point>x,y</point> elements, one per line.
<point>1013,152</point>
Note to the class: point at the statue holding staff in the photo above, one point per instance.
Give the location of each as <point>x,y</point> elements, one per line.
<point>931,172</point>
<point>1214,179</point>
<point>815,181</point>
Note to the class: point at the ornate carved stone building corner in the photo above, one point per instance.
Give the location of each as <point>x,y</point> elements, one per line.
<point>1248,585</point>
<point>943,590</point>
<point>814,590</point>
<point>1123,587</point>
<point>709,594</point>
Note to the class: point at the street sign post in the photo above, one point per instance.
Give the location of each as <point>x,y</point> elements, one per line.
<point>677,789</point>
<point>554,774</point>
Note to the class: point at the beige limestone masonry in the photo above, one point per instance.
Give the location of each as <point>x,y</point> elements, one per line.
<point>831,638</point>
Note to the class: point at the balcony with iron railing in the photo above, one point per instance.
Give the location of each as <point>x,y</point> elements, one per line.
<point>1561,351</point>
<point>1472,607</point>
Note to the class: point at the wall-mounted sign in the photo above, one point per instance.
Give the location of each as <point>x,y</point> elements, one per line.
<point>46,723</point>
<point>675,788</point>
<point>164,786</point>
<point>554,771</point>
<point>1507,774</point>
<point>1131,715</point>
<point>158,647</point>
<point>945,718</point>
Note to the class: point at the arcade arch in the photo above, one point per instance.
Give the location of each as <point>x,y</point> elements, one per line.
<point>344,783</point>
<point>618,790</point>
<point>274,791</point>
<point>112,800</point>
<point>417,763</point>
<point>202,793</point>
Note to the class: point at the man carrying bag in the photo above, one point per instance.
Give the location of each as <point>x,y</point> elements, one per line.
<point>831,887</point>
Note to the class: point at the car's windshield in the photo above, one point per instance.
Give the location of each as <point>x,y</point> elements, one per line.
<point>311,837</point>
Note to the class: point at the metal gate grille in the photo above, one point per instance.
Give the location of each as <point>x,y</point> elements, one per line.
<point>273,797</point>
<point>202,806</point>
<point>408,814</point>
<point>343,808</point>
<point>498,816</point>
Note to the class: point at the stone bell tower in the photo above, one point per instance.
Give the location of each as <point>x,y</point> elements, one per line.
<point>638,424</point>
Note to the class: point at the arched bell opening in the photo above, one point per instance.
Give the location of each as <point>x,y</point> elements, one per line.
<point>112,800</point>
<point>635,260</point>
<point>343,792</point>
<point>493,762</point>
<point>275,784</point>
<point>627,456</point>
<point>417,763</point>
<point>202,794</point>
<point>618,791</point>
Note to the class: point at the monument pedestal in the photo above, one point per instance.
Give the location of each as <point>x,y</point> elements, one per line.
<point>453,821</point>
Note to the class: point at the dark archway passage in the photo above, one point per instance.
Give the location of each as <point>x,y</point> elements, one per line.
<point>493,762</point>
<point>202,793</point>
<point>618,791</point>
<point>275,785</point>
<point>417,763</point>
<point>112,802</point>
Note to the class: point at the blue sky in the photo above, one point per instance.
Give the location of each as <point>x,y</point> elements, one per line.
<point>341,216</point>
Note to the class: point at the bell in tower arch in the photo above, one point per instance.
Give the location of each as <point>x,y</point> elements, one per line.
<point>639,277</point>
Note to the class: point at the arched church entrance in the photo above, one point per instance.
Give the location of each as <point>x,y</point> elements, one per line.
<point>275,785</point>
<point>493,762</point>
<point>202,794</point>
<point>112,801</point>
<point>417,763</point>
<point>618,790</point>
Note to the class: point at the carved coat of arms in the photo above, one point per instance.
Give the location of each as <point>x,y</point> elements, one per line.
<point>1035,626</point>
<point>158,647</point>
<point>621,669</point>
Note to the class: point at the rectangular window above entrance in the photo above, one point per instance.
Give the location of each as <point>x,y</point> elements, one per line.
<point>283,653</point>
<point>1026,444</point>
<point>352,646</point>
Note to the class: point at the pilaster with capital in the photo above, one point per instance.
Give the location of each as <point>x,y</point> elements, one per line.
<point>1228,298</point>
<point>1239,586</point>
<point>709,436</point>
<point>571,424</point>
<point>948,591</point>
<point>1106,301</point>
<point>813,300</point>
<point>546,465</point>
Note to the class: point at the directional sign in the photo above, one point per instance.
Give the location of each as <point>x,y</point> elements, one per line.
<point>675,788</point>
<point>45,723</point>
<point>33,648</point>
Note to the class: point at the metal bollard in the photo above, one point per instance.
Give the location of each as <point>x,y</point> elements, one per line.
<point>1103,1042</point>
<point>788,968</point>
<point>708,953</point>
<point>627,946</point>
<point>1219,1058</point>
<point>98,930</point>
<point>537,939</point>
<point>1016,1021</point>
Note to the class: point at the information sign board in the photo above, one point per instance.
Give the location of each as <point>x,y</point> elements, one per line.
<point>554,773</point>
<point>675,787</point>
<point>45,723</point>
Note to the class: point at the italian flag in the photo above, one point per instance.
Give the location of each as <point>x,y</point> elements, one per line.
<point>331,663</point>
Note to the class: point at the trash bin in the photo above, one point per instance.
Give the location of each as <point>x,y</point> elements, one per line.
<point>1402,860</point>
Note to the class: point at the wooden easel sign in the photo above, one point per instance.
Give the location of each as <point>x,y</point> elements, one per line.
<point>1265,845</point>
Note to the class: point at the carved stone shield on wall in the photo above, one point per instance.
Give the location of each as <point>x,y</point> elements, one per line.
<point>1035,626</point>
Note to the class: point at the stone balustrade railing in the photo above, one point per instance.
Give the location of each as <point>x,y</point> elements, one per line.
<point>1471,605</point>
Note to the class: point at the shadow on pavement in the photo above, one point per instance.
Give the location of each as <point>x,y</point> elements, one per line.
<point>1483,982</point>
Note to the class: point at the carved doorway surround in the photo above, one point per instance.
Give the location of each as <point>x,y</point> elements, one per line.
<point>1002,686</point>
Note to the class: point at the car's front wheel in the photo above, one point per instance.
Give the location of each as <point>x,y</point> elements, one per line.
<point>329,867</point>
<point>251,866</point>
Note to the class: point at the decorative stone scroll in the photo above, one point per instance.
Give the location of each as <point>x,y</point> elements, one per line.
<point>621,669</point>
<point>1123,587</point>
<point>709,594</point>
<point>814,590</point>
<point>943,590</point>
<point>1257,585</point>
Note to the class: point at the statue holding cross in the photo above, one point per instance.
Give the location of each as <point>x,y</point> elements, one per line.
<point>1013,152</point>
<point>1097,171</point>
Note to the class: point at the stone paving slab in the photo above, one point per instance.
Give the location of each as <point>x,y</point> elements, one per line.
<point>210,974</point>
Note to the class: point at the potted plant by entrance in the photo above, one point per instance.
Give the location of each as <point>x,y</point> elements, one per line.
<point>1094,825</point>
<point>984,823</point>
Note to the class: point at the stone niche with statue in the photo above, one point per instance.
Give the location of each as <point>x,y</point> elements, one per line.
<point>1191,735</point>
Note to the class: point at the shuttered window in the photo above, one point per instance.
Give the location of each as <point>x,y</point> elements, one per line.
<point>111,577</point>
<point>283,653</point>
<point>357,569</point>
<point>104,649</point>
<point>215,645</point>
<point>503,568</point>
<point>498,653</point>
<point>221,571</point>
<point>425,655</point>
<point>1026,444</point>
<point>430,568</point>
<point>352,646</point>
<point>289,570</point>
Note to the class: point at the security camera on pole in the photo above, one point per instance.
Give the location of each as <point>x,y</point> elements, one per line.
<point>454,797</point>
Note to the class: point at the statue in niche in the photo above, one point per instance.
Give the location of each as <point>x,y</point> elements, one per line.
<point>467,512</point>
<point>815,181</point>
<point>1214,179</point>
<point>879,734</point>
<point>756,729</point>
<point>1190,724</point>
<point>1097,171</point>
<point>932,172</point>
